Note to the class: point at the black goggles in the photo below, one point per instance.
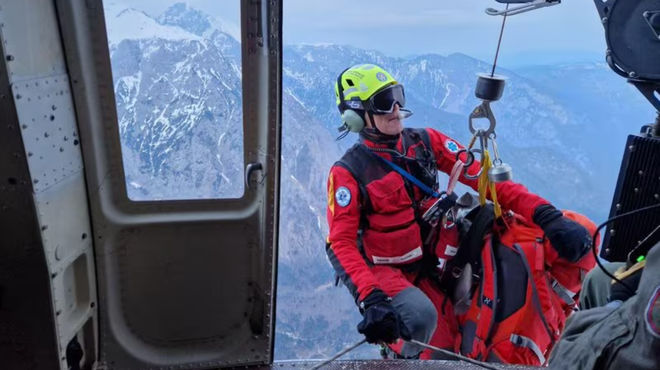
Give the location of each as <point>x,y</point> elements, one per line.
<point>384,100</point>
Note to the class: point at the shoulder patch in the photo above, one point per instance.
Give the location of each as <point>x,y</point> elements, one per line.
<point>343,196</point>
<point>652,314</point>
<point>451,146</point>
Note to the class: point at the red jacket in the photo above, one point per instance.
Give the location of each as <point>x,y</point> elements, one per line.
<point>344,212</point>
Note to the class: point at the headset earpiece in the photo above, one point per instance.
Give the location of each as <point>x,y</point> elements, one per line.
<point>352,121</point>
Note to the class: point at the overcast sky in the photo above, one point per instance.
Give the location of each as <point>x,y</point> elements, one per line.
<point>571,30</point>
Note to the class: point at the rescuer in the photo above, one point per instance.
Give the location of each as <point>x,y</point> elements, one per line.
<point>377,193</point>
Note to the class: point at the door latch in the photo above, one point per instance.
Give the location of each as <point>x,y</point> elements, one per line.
<point>248,172</point>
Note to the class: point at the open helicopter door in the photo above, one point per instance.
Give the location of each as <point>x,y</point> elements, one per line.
<point>178,284</point>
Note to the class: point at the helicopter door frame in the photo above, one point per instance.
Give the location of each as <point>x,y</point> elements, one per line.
<point>185,283</point>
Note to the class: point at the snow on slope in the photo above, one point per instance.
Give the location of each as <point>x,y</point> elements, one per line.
<point>132,24</point>
<point>198,22</point>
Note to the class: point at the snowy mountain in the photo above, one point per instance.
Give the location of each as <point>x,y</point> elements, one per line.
<point>177,79</point>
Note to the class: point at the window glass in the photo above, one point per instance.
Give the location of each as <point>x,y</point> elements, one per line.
<point>177,80</point>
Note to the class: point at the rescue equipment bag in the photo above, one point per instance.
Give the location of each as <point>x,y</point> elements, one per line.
<point>519,292</point>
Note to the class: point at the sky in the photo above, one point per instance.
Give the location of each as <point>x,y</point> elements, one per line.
<point>567,32</point>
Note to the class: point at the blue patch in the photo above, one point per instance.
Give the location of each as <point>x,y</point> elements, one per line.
<point>343,196</point>
<point>451,146</point>
<point>381,76</point>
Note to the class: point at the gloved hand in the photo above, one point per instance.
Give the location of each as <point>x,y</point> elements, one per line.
<point>631,277</point>
<point>381,323</point>
<point>570,239</point>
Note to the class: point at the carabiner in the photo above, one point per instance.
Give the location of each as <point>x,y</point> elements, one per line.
<point>483,111</point>
<point>466,168</point>
<point>470,157</point>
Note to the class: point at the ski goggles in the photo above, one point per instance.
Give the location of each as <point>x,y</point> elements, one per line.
<point>383,101</point>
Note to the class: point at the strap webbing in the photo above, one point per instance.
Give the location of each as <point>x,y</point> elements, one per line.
<point>523,341</point>
<point>410,177</point>
<point>485,184</point>
<point>535,294</point>
<point>453,177</point>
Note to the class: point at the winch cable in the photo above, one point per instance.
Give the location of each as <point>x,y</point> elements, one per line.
<point>484,183</point>
<point>413,342</point>
<point>452,354</point>
<point>339,354</point>
<point>595,235</point>
<point>499,42</point>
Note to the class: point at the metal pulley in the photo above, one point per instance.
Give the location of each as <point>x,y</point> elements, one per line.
<point>499,171</point>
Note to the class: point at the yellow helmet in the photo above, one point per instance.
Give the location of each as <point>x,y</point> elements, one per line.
<point>356,85</point>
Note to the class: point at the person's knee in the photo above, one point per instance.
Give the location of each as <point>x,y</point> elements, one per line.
<point>418,313</point>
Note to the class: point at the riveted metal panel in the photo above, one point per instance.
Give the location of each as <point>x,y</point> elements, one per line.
<point>68,246</point>
<point>27,329</point>
<point>31,39</point>
<point>64,237</point>
<point>73,295</point>
<point>48,127</point>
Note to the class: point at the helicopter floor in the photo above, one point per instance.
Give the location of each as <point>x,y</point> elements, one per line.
<point>385,365</point>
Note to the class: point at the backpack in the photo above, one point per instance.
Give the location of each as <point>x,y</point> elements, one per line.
<point>519,291</point>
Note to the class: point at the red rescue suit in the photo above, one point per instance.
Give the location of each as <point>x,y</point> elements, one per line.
<point>375,239</point>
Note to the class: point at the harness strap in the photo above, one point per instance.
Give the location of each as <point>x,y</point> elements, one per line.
<point>408,176</point>
<point>453,177</point>
<point>563,293</point>
<point>487,300</point>
<point>481,315</point>
<point>535,294</point>
<point>523,341</point>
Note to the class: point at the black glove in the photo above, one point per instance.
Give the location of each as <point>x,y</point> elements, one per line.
<point>381,323</point>
<point>570,239</point>
<point>630,277</point>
